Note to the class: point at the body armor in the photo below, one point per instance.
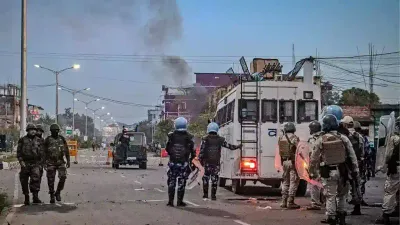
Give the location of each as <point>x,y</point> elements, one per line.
<point>55,151</point>
<point>334,150</point>
<point>286,148</point>
<point>213,149</point>
<point>30,149</point>
<point>355,142</point>
<point>179,152</point>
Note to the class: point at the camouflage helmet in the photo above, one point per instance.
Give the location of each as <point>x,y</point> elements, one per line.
<point>289,127</point>
<point>357,125</point>
<point>30,126</point>
<point>39,127</point>
<point>54,126</point>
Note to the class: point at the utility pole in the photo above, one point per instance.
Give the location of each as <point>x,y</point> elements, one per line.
<point>293,57</point>
<point>23,70</point>
<point>371,68</point>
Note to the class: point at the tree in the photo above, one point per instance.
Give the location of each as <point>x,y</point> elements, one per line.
<point>358,97</point>
<point>331,98</point>
<point>198,127</point>
<point>162,130</point>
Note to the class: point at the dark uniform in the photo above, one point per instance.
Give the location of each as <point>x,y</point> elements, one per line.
<point>30,157</point>
<point>210,155</point>
<point>180,148</point>
<point>124,139</point>
<point>55,149</point>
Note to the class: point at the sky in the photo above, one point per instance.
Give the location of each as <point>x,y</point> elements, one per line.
<point>128,48</point>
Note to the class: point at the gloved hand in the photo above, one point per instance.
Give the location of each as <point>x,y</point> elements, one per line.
<point>68,164</point>
<point>240,146</point>
<point>192,166</point>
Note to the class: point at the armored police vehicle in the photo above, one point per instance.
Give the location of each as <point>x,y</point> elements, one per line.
<point>132,153</point>
<point>253,113</point>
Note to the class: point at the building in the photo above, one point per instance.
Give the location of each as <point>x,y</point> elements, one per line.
<point>363,115</point>
<point>154,115</point>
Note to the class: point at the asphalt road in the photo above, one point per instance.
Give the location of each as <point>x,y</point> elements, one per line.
<point>97,194</point>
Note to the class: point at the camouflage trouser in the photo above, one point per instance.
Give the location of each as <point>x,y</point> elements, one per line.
<point>357,187</point>
<point>29,176</point>
<point>392,184</point>
<point>51,177</point>
<point>210,171</point>
<point>335,190</point>
<point>290,179</point>
<point>177,172</point>
<point>315,193</point>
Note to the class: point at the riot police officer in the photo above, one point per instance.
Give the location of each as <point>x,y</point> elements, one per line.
<point>30,157</point>
<point>329,156</point>
<point>357,142</point>
<point>392,165</point>
<point>210,155</point>
<point>315,191</point>
<point>287,149</point>
<point>55,147</point>
<point>180,148</point>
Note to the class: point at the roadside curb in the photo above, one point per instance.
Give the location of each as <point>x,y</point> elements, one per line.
<point>9,165</point>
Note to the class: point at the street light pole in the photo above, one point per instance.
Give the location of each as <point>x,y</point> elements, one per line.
<point>94,119</point>
<point>86,108</point>
<point>56,73</point>
<point>23,70</point>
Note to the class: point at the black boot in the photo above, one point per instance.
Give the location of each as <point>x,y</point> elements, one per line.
<point>171,197</point>
<point>357,210</point>
<point>213,193</point>
<point>180,202</point>
<point>330,220</point>
<point>205,191</point>
<point>60,187</point>
<point>58,196</point>
<point>52,198</point>
<point>341,218</point>
<point>27,201</point>
<point>36,199</point>
<point>386,219</point>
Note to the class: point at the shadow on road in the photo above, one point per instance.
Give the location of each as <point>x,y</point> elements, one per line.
<point>40,209</point>
<point>209,212</point>
<point>258,191</point>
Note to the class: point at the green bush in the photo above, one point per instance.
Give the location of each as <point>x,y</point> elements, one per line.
<point>3,202</point>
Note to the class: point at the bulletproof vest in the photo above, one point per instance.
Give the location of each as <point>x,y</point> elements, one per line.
<point>334,150</point>
<point>395,159</point>
<point>355,142</point>
<point>179,152</point>
<point>124,139</point>
<point>30,149</point>
<point>213,149</point>
<point>55,152</point>
<point>286,148</point>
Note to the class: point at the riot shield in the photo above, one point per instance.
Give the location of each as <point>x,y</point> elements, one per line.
<point>302,163</point>
<point>195,177</point>
<point>278,160</point>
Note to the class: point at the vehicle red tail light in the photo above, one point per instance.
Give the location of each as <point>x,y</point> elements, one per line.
<point>249,165</point>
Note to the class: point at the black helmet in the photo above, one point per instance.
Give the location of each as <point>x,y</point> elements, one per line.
<point>397,125</point>
<point>289,127</point>
<point>39,127</point>
<point>329,123</point>
<point>54,126</point>
<point>315,126</point>
<point>30,126</point>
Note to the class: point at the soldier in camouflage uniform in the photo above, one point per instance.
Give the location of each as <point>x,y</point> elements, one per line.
<point>315,191</point>
<point>39,134</point>
<point>210,155</point>
<point>287,150</point>
<point>362,165</point>
<point>180,148</point>
<point>56,148</point>
<point>392,184</point>
<point>30,157</point>
<point>357,142</point>
<point>332,157</point>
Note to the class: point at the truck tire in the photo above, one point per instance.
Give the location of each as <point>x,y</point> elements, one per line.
<point>143,165</point>
<point>237,186</point>
<point>302,189</point>
<point>116,166</point>
<point>222,182</point>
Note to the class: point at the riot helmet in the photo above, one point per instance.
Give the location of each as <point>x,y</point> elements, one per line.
<point>212,128</point>
<point>315,126</point>
<point>334,110</point>
<point>289,127</point>
<point>180,124</point>
<point>329,123</point>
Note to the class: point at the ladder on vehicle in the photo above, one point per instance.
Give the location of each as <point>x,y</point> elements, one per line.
<point>251,124</point>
